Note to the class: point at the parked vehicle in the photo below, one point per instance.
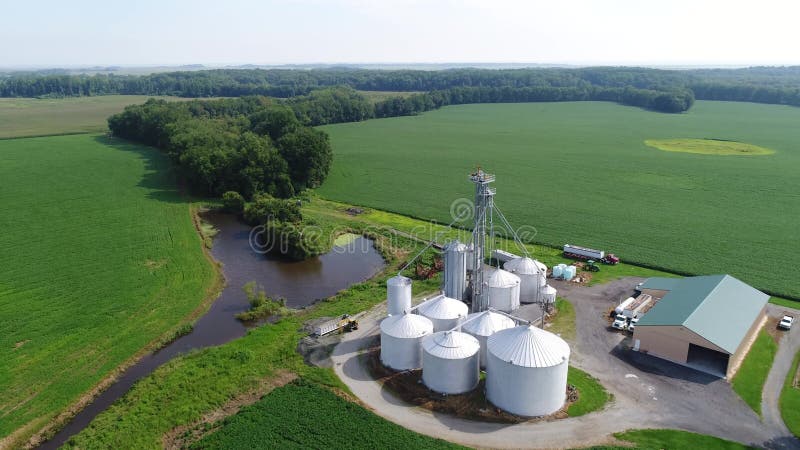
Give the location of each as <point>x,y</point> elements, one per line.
<point>632,324</point>
<point>621,307</point>
<point>620,322</point>
<point>585,254</point>
<point>786,322</point>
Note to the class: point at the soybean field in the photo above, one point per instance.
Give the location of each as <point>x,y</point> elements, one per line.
<point>581,173</point>
<point>99,257</point>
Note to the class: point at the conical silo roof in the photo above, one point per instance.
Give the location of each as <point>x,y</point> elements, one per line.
<point>398,280</point>
<point>550,290</point>
<point>486,323</point>
<point>451,345</point>
<point>406,326</point>
<point>501,278</point>
<point>522,266</point>
<point>455,246</point>
<point>441,307</point>
<point>528,346</point>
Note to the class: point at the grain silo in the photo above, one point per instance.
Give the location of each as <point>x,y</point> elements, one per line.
<point>450,362</point>
<point>445,312</point>
<point>548,295</point>
<point>484,324</point>
<point>401,339</point>
<point>455,270</point>
<point>526,371</point>
<point>503,290</point>
<point>398,295</point>
<point>530,276</point>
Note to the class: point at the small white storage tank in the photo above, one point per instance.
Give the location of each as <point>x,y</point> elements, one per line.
<point>484,324</point>
<point>503,290</point>
<point>530,278</point>
<point>398,295</point>
<point>455,270</point>
<point>401,340</point>
<point>444,312</point>
<point>526,371</point>
<point>450,362</point>
<point>549,295</point>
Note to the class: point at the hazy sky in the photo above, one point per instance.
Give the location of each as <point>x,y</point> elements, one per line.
<point>152,32</point>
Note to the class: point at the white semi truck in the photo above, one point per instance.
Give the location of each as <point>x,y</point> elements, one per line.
<point>585,254</point>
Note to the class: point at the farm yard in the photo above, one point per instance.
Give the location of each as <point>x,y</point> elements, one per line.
<point>95,268</point>
<point>582,173</point>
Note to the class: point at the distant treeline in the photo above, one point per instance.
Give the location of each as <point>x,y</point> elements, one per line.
<point>343,104</point>
<point>662,90</point>
<point>250,145</point>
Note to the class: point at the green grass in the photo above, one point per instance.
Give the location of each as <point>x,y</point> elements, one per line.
<point>184,389</point>
<point>674,440</point>
<point>581,174</point>
<point>785,302</point>
<point>592,396</point>
<point>708,147</point>
<point>749,380</point>
<point>563,323</point>
<point>304,415</point>
<point>427,230</point>
<point>99,257</point>
<point>790,399</point>
<point>21,117</point>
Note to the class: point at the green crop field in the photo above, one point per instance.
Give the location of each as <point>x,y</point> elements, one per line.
<point>40,117</point>
<point>99,257</point>
<point>581,173</point>
<point>303,415</point>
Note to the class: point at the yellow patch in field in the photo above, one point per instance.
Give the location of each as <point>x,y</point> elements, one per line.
<point>708,147</point>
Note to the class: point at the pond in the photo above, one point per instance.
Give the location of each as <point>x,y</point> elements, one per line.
<point>301,283</point>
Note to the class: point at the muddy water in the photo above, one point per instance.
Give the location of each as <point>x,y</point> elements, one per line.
<point>301,283</point>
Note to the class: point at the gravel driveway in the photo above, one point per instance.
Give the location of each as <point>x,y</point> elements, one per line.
<point>648,392</point>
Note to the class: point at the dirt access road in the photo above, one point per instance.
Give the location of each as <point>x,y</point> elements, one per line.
<point>648,392</point>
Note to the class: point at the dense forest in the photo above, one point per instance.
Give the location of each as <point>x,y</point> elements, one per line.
<point>661,90</point>
<point>249,145</point>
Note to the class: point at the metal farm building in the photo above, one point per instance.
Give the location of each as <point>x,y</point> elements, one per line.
<point>706,322</point>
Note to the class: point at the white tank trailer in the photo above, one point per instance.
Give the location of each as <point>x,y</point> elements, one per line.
<point>450,362</point>
<point>481,325</point>
<point>444,312</point>
<point>531,278</point>
<point>401,340</point>
<point>503,290</point>
<point>526,371</point>
<point>398,295</point>
<point>456,255</point>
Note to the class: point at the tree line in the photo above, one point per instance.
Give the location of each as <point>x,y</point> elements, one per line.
<point>249,145</point>
<point>663,90</point>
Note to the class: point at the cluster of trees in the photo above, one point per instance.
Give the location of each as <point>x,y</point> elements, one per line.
<point>636,86</point>
<point>247,145</point>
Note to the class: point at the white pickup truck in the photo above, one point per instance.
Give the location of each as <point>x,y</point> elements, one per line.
<point>786,322</point>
